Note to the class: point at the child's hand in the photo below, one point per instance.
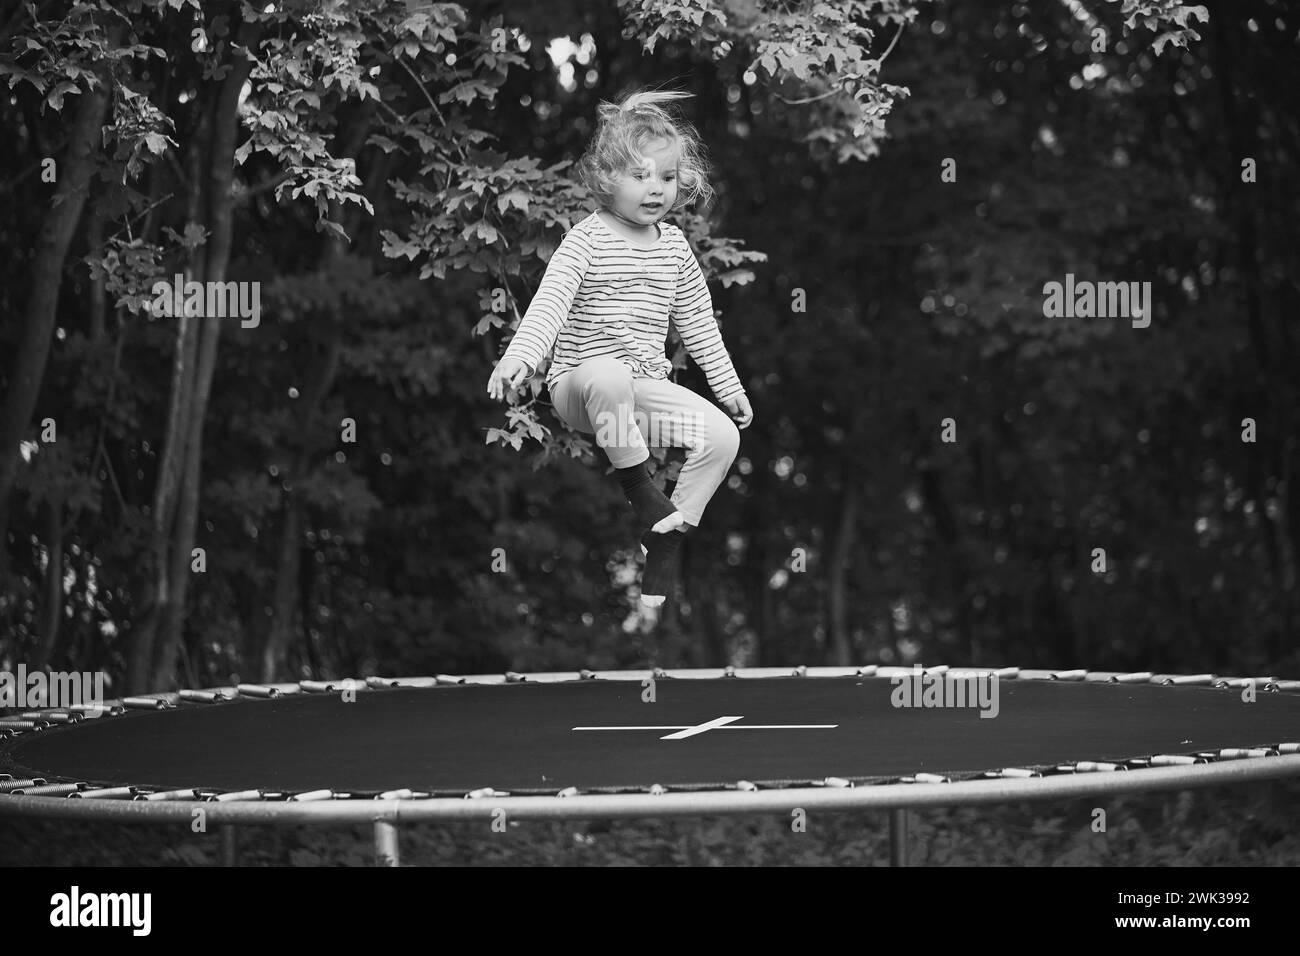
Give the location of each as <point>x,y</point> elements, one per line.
<point>510,372</point>
<point>739,410</point>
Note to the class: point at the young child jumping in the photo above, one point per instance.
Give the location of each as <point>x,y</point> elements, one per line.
<point>611,288</point>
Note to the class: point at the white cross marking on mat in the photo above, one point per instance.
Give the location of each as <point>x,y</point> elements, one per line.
<point>717,723</point>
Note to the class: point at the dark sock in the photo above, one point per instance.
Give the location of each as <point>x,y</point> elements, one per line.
<point>650,504</point>
<point>663,554</point>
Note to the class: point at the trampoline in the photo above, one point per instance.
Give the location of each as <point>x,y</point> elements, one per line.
<point>643,743</point>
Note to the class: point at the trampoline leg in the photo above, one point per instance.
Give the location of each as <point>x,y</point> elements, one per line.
<point>898,837</point>
<point>386,850</point>
<point>229,845</point>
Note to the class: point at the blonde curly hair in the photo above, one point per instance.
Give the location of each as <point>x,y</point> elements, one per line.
<point>624,129</point>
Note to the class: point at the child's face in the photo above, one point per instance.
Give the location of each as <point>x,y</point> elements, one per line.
<point>644,195</point>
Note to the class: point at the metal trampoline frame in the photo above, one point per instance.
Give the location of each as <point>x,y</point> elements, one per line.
<point>387,812</point>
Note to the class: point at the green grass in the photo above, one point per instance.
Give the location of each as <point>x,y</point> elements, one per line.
<point>1246,825</point>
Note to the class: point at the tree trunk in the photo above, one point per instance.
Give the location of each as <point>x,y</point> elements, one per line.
<point>97,300</point>
<point>953,571</point>
<point>767,653</point>
<point>46,276</point>
<point>306,591</point>
<point>288,565</point>
<point>157,588</point>
<point>52,613</point>
<point>702,588</point>
<point>672,649</point>
<point>286,586</point>
<point>715,640</point>
<point>221,172</point>
<point>841,645</point>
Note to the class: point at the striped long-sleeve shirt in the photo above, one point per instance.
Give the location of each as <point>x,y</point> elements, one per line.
<point>603,295</point>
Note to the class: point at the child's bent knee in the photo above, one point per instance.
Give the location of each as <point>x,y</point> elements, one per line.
<point>728,440</point>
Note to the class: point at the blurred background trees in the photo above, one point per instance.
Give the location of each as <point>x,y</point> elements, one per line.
<point>395,175</point>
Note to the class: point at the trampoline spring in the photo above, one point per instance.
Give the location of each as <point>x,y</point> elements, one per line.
<point>514,677</point>
<point>318,686</point>
<point>147,703</point>
<point>12,724</point>
<point>1014,773</point>
<point>1239,753</point>
<point>657,790</point>
<point>394,683</point>
<point>403,794</point>
<point>257,690</point>
<point>1288,748</point>
<point>1279,685</point>
<point>165,795</point>
<point>1136,677</point>
<point>81,711</point>
<point>50,790</point>
<point>310,795</point>
<point>868,671</point>
<point>927,778</point>
<point>1079,674</point>
<point>1190,679</point>
<point>800,671</point>
<point>52,717</point>
<point>203,696</point>
<point>569,792</point>
<point>1006,673</point>
<point>107,793</point>
<point>485,792</point>
<point>746,785</point>
<point>10,785</point>
<point>1029,673</point>
<point>1174,760</point>
<point>1098,766</point>
<point>838,782</point>
<point>235,795</point>
<point>585,674</point>
<point>1245,682</point>
<point>936,670</point>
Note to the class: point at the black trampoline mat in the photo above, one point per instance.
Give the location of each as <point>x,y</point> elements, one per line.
<point>521,737</point>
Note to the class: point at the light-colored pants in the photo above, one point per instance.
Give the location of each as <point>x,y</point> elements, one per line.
<point>603,397</point>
